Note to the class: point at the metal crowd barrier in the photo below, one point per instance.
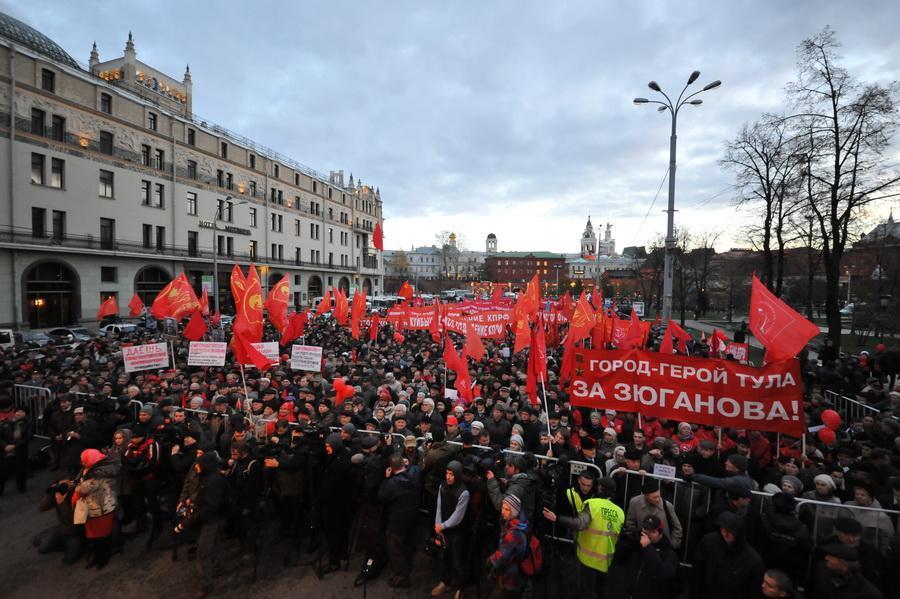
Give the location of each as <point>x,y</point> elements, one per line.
<point>850,409</point>
<point>35,400</point>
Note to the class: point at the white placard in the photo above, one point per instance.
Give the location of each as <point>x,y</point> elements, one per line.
<point>451,393</point>
<point>663,470</point>
<point>638,307</point>
<point>207,353</point>
<point>306,357</point>
<point>269,349</point>
<point>146,357</point>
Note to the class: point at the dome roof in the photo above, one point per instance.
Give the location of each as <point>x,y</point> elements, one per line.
<point>491,236</point>
<point>29,37</point>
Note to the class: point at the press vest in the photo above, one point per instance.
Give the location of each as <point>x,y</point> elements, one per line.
<point>596,544</point>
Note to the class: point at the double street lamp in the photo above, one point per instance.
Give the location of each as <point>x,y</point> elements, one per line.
<point>216,248</point>
<point>673,108</point>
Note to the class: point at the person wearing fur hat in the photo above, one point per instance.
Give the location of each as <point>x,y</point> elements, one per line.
<point>511,550</point>
<point>96,488</point>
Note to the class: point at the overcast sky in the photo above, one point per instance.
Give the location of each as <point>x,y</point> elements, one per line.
<point>510,117</point>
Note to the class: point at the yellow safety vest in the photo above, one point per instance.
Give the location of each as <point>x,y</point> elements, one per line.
<point>596,544</point>
<point>574,500</point>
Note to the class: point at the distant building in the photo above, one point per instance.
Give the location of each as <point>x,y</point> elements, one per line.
<point>884,234</point>
<point>517,268</point>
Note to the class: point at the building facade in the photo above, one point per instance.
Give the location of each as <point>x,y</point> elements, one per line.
<point>517,268</point>
<point>114,186</point>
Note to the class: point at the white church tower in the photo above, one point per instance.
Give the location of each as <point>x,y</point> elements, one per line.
<point>588,240</point>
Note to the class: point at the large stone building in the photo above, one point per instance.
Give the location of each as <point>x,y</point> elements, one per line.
<point>113,185</point>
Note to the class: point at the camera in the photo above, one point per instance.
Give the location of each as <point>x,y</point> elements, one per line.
<point>435,545</point>
<point>60,487</point>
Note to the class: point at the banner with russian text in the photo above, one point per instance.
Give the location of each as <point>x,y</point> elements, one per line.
<point>207,353</point>
<point>699,390</point>
<point>148,356</point>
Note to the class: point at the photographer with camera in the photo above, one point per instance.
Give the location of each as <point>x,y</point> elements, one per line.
<point>245,484</point>
<point>66,536</point>
<point>399,493</point>
<point>285,458</point>
<point>649,565</point>
<point>82,434</point>
<point>335,501</point>
<point>519,481</point>
<point>207,515</point>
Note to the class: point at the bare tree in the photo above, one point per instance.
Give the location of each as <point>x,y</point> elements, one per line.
<point>696,261</point>
<point>847,129</point>
<point>766,165</point>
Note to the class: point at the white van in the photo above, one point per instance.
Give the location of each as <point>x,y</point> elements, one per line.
<point>7,339</point>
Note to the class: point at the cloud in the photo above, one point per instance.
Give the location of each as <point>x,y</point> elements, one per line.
<point>511,117</point>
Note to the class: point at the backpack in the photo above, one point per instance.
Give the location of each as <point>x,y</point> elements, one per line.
<point>534,557</point>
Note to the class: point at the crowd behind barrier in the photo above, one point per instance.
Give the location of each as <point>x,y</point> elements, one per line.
<point>193,456</point>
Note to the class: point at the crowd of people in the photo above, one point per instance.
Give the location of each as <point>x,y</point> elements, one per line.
<point>504,496</point>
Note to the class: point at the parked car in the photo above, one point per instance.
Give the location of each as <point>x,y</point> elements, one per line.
<point>69,335</point>
<point>33,338</point>
<point>227,319</point>
<point>119,327</point>
<point>7,339</point>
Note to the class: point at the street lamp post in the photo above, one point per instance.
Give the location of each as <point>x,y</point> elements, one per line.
<point>216,251</point>
<point>673,108</point>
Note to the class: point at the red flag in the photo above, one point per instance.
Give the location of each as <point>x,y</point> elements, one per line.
<point>357,311</point>
<point>341,309</point>
<point>277,303</point>
<point>373,328</point>
<point>108,308</point>
<point>135,306</point>
<point>406,291</point>
<point>497,295</point>
<point>176,300</point>
<point>718,341</point>
<point>250,353</point>
<point>567,306</point>
<point>216,319</point>
<point>635,335</point>
<point>523,332</point>
<point>434,327</point>
<point>582,321</point>
<point>451,358</point>
<point>296,324</point>
<point>464,380</point>
<point>780,328</point>
<point>680,334</point>
<point>195,328</point>
<point>666,346</point>
<point>473,348</point>
<point>529,302</point>
<point>204,303</point>
<point>238,284</point>
<point>324,306</point>
<point>537,362</point>
<point>248,322</point>
<point>378,237</point>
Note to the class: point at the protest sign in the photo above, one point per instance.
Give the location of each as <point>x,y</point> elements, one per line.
<point>146,357</point>
<point>306,357</point>
<point>269,349</point>
<point>207,353</point>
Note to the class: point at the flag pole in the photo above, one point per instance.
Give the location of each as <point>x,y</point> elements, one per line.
<point>546,405</point>
<point>719,444</point>
<point>777,446</point>
<point>244,384</point>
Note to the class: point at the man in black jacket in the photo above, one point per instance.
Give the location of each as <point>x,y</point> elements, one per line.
<point>725,564</point>
<point>400,494</point>
<point>653,565</point>
<point>208,515</point>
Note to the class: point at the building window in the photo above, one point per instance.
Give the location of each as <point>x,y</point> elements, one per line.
<point>107,233</point>
<point>151,120</point>
<point>38,222</point>
<point>37,168</point>
<point>252,161</point>
<point>192,169</point>
<point>329,193</point>
<point>108,274</point>
<point>159,195</point>
<point>191,137</point>
<point>160,238</point>
<point>192,203</point>
<point>297,227</point>
<point>277,220</point>
<point>145,155</point>
<point>220,178</point>
<point>315,187</point>
<point>159,158</point>
<point>330,214</point>
<point>330,235</point>
<point>58,130</point>
<point>253,248</point>
<point>220,245</point>
<point>229,181</point>
<point>193,243</point>
<point>37,121</point>
<point>59,225</point>
<point>280,200</point>
<point>225,211</point>
<point>275,170</point>
<point>224,150</point>
<point>229,246</point>
<point>106,103</point>
<point>57,172</point>
<point>330,258</point>
<point>253,217</point>
<point>148,237</point>
<point>145,193</point>
<point>277,252</point>
<point>252,189</point>
<point>48,81</point>
<point>106,143</point>
<point>106,184</point>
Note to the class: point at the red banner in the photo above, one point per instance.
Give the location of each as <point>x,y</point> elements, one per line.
<point>739,351</point>
<point>698,390</point>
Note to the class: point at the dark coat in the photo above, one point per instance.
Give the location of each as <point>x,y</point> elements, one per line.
<point>651,570</point>
<point>721,570</point>
<point>401,494</point>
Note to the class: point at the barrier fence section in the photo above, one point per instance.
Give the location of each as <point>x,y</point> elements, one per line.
<point>35,400</point>
<point>850,409</point>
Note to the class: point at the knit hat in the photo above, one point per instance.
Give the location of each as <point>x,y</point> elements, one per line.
<point>515,505</point>
<point>848,525</point>
<point>89,457</point>
<point>825,478</point>
<point>610,431</point>
<point>794,482</point>
<point>517,439</point>
<point>730,522</point>
<point>147,409</point>
<point>334,439</point>
<point>738,461</point>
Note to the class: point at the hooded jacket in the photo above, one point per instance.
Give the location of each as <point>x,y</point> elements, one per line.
<point>211,494</point>
<point>98,487</point>
<point>400,495</point>
<point>722,570</point>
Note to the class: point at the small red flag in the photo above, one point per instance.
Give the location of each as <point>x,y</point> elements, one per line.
<point>324,306</point>
<point>176,300</point>
<point>451,358</point>
<point>196,327</point>
<point>537,362</point>
<point>378,238</point>
<point>373,328</point>
<point>109,307</point>
<point>248,352</point>
<point>473,348</point>
<point>782,330</point>
<point>135,306</point>
<point>635,335</point>
<point>204,303</point>
<point>341,309</point>
<point>666,346</point>
<point>406,291</point>
<point>497,295</point>
<point>216,319</point>
<point>277,302</point>
<point>296,325</point>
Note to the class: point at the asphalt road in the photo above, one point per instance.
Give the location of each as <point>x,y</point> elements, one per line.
<point>138,572</point>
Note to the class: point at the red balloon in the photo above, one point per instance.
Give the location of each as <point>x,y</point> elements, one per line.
<point>827,436</point>
<point>399,338</point>
<point>831,419</point>
<point>339,384</point>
